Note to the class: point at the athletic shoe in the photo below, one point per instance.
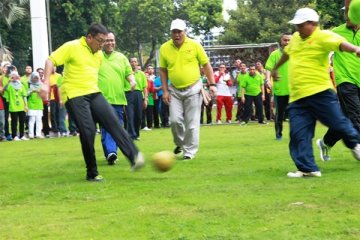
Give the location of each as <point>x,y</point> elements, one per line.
<point>278,138</point>
<point>356,152</point>
<point>16,138</point>
<point>218,121</point>
<point>300,174</point>
<point>263,123</point>
<point>111,158</point>
<point>324,150</point>
<point>228,121</point>
<point>98,178</point>
<point>24,138</point>
<point>139,162</point>
<point>243,123</point>
<point>146,129</point>
<point>178,151</point>
<point>9,138</point>
<point>186,158</point>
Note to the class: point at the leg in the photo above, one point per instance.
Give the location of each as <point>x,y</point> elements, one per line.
<point>22,116</point>
<point>79,108</point>
<point>105,115</point>
<point>281,103</point>
<point>302,127</point>
<point>130,114</point>
<point>228,108</point>
<point>38,123</point>
<point>32,120</point>
<point>14,119</point>
<point>248,108</point>
<point>2,121</point>
<point>259,108</point>
<point>177,119</point>
<point>208,112</point>
<point>219,105</point>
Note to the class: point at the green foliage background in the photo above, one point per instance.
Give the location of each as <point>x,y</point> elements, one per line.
<point>141,26</point>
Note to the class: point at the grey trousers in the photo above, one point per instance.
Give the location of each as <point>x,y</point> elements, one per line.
<point>185,107</point>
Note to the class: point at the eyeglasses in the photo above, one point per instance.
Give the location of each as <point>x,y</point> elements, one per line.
<point>100,40</point>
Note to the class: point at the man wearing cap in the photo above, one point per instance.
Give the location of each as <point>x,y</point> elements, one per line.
<point>312,96</point>
<point>180,58</point>
<point>80,92</point>
<point>347,78</point>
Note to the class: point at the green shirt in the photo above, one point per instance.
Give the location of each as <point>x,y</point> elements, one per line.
<point>252,84</point>
<point>183,63</point>
<point>309,62</point>
<point>281,86</point>
<point>346,65</point>
<point>25,81</point>
<point>35,101</point>
<point>141,82</point>
<point>240,78</point>
<point>81,68</point>
<point>15,98</point>
<point>112,77</point>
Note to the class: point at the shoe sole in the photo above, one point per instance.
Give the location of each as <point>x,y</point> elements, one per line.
<point>318,143</point>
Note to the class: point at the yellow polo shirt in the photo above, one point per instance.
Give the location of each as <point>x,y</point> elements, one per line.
<point>183,63</point>
<point>81,68</point>
<point>309,62</point>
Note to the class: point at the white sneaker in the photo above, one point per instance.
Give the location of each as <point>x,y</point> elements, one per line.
<point>356,152</point>
<point>228,121</point>
<point>146,129</point>
<point>139,162</point>
<point>31,136</point>
<point>24,138</point>
<point>300,174</point>
<point>218,121</point>
<point>16,138</point>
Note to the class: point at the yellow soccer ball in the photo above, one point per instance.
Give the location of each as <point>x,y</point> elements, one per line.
<point>163,161</point>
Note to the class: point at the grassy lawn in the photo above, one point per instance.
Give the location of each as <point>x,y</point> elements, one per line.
<point>235,188</point>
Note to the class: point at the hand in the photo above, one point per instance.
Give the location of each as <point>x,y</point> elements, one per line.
<point>357,51</point>
<point>243,99</point>
<point>263,97</point>
<point>44,91</point>
<point>133,85</point>
<point>213,90</point>
<point>145,104</point>
<point>166,97</point>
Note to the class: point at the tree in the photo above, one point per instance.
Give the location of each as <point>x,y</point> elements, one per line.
<point>11,10</point>
<point>259,21</point>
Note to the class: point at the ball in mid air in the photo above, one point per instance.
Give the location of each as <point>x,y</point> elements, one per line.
<point>354,12</point>
<point>163,161</point>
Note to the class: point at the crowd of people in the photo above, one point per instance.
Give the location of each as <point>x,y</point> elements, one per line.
<point>185,90</point>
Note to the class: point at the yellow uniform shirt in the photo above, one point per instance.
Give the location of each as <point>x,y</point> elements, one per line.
<point>183,63</point>
<point>81,68</point>
<point>53,80</point>
<point>309,62</point>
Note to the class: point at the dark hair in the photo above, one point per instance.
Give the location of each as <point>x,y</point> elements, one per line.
<point>97,28</point>
<point>10,68</point>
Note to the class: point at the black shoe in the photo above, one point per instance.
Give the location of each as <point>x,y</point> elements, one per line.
<point>111,158</point>
<point>186,158</point>
<point>178,150</point>
<point>97,178</point>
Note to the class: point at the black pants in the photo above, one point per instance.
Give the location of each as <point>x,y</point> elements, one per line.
<point>208,109</point>
<point>281,102</point>
<point>349,97</point>
<point>240,109</point>
<point>258,106</point>
<point>45,120</point>
<point>55,115</point>
<point>134,111</point>
<point>92,108</point>
<point>6,123</point>
<point>15,117</point>
<point>156,113</point>
<point>164,113</point>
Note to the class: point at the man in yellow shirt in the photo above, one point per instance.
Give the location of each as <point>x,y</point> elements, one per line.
<point>312,96</point>
<point>82,59</point>
<point>180,58</point>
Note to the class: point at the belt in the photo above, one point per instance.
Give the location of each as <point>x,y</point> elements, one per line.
<point>186,88</point>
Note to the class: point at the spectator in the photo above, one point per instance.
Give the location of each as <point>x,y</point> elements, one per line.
<point>16,95</point>
<point>240,105</point>
<point>35,105</point>
<point>267,91</point>
<point>253,92</point>
<point>54,103</point>
<point>2,115</point>
<point>6,68</point>
<point>45,117</point>
<point>163,108</point>
<point>280,86</point>
<point>155,115</point>
<point>209,105</point>
<point>137,101</point>
<point>224,96</point>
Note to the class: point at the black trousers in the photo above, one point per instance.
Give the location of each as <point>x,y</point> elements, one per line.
<point>15,117</point>
<point>6,123</point>
<point>91,108</point>
<point>156,113</point>
<point>240,109</point>
<point>55,115</point>
<point>258,106</point>
<point>349,97</point>
<point>134,110</point>
<point>281,103</point>
<point>45,120</point>
<point>208,109</point>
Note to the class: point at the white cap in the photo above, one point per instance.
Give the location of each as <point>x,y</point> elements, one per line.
<point>303,15</point>
<point>178,24</point>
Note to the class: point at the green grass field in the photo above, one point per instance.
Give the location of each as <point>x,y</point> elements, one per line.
<point>235,188</point>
